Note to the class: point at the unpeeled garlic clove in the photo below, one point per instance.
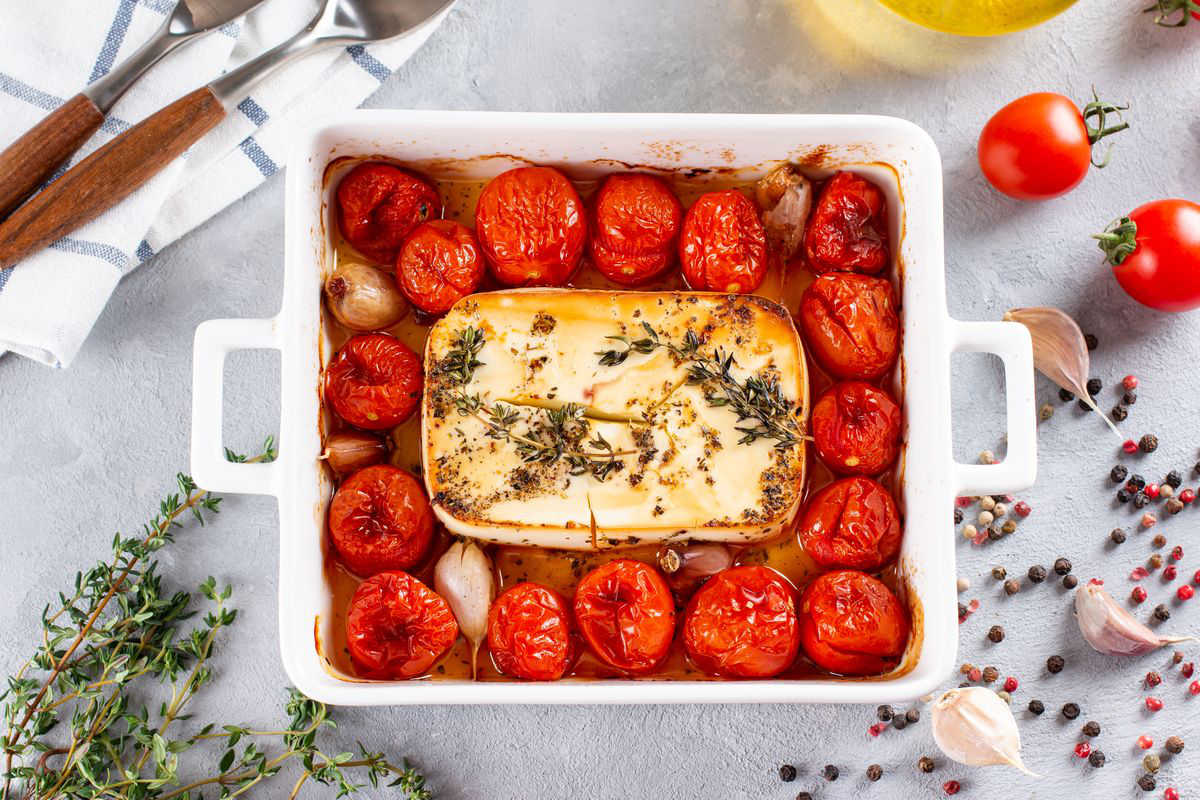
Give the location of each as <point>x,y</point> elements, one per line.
<point>973,726</point>
<point>785,196</point>
<point>1110,629</point>
<point>689,566</point>
<point>463,577</point>
<point>364,298</point>
<point>351,451</point>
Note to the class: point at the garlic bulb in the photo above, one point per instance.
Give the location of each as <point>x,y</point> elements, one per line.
<point>689,566</point>
<point>785,196</point>
<point>1110,629</point>
<point>364,298</point>
<point>463,577</point>
<point>973,726</point>
<point>351,451</point>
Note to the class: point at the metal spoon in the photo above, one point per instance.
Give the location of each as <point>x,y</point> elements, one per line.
<point>113,172</point>
<point>33,157</point>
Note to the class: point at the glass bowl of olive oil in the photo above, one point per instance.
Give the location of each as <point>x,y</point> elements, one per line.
<point>978,17</point>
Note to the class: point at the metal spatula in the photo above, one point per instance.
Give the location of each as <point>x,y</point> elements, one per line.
<point>33,157</point>
<point>112,173</point>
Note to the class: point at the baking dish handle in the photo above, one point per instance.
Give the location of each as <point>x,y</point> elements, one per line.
<point>1018,470</point>
<point>211,470</point>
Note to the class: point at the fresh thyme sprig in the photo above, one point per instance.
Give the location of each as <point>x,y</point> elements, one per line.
<point>759,398</point>
<point>462,360</point>
<point>73,725</point>
<point>557,434</point>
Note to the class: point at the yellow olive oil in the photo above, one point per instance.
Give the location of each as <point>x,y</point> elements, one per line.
<point>978,17</point>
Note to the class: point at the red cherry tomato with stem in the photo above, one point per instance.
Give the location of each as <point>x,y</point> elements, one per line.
<point>397,627</point>
<point>626,613</point>
<point>1155,254</point>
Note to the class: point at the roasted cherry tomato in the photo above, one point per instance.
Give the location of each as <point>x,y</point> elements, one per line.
<point>529,633</point>
<point>742,624</point>
<point>531,226</point>
<point>1155,254</point>
<point>439,265</point>
<point>379,205</point>
<point>848,229</point>
<point>374,381</point>
<point>397,627</point>
<point>723,246</point>
<point>379,519</point>
<point>851,523</point>
<point>1040,146</point>
<point>626,614</point>
<point>856,428</point>
<point>850,325</point>
<point>852,624</point>
<point>635,227</point>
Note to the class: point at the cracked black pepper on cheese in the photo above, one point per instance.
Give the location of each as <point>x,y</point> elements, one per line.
<point>586,419</point>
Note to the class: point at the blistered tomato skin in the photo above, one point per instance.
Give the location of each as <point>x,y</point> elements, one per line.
<point>529,633</point>
<point>635,228</point>
<point>379,519</point>
<point>531,227</point>
<point>856,428</point>
<point>439,265</point>
<point>847,230</point>
<point>852,624</point>
<point>379,205</point>
<point>397,627</point>
<point>723,246</point>
<point>742,624</point>
<point>626,613</point>
<point>851,523</point>
<point>374,381</point>
<point>850,325</point>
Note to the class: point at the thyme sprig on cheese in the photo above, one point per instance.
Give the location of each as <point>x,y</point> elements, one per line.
<point>462,359</point>
<point>759,398</point>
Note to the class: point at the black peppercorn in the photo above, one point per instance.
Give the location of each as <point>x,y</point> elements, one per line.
<point>1083,405</point>
<point>1055,664</point>
<point>999,573</point>
<point>1146,783</point>
<point>1096,759</point>
<point>899,722</point>
<point>1091,728</point>
<point>1173,479</point>
<point>958,516</point>
<point>995,634</point>
<point>1012,586</point>
<point>1148,443</point>
<point>1119,413</point>
<point>1119,473</point>
<point>1070,710</point>
<point>1129,398</point>
<point>1065,396</point>
<point>1123,495</point>
<point>925,764</point>
<point>994,533</point>
<point>1117,535</point>
<point>804,796</point>
<point>912,715</point>
<point>1161,613</point>
<point>962,611</point>
<point>787,773</point>
<point>874,772</point>
<point>1070,581</point>
<point>1036,707</point>
<point>1137,481</point>
<point>1091,341</point>
<point>1174,745</point>
<point>884,713</point>
<point>1196,469</point>
<point>1037,573</point>
<point>1061,566</point>
<point>1141,500</point>
<point>1094,386</point>
<point>830,773</point>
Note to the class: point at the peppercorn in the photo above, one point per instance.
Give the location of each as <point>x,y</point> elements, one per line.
<point>1096,759</point>
<point>804,796</point>
<point>1061,566</point>
<point>1055,664</point>
<point>1167,491</point>
<point>1138,595</point>
<point>987,457</point>
<point>1119,473</point>
<point>1094,386</point>
<point>1173,479</point>
<point>985,518</point>
<point>1146,783</point>
<point>912,715</point>
<point>1177,552</point>
<point>1117,535</point>
<point>1174,505</point>
<point>1045,412</point>
<point>1141,500</point>
<point>1153,679</point>
<point>884,713</point>
<point>1083,405</point>
<point>1012,586</point>
<point>1037,573</point>
<point>999,510</point>
<point>990,674</point>
<point>993,533</point>
<point>1129,398</point>
<point>969,531</point>
<point>1065,396</point>
<point>951,787</point>
<point>1070,710</point>
<point>1092,343</point>
<point>830,773</point>
<point>1091,728</point>
<point>1174,745</point>
<point>1129,446</point>
<point>1177,656</point>
<point>995,634</point>
<point>874,772</point>
<point>958,516</point>
<point>1155,561</point>
<point>1004,695</point>
<point>1070,581</point>
<point>925,764</point>
<point>787,773</point>
<point>1161,613</point>
<point>1148,443</point>
<point>1083,750</point>
<point>1151,762</point>
<point>899,722</point>
<point>1123,495</point>
<point>962,612</point>
<point>1119,413</point>
<point>1196,469</point>
<point>1037,707</point>
<point>1009,526</point>
<point>1159,540</point>
<point>999,573</point>
<point>1136,481</point>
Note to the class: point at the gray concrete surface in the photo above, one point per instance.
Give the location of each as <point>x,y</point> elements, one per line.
<point>90,449</point>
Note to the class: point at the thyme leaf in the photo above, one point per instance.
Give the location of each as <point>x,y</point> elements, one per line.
<point>462,360</point>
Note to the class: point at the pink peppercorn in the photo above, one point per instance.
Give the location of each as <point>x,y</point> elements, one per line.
<point>1083,749</point>
<point>1130,382</point>
<point>1138,572</point>
<point>1152,491</point>
<point>1170,794</point>
<point>1153,679</point>
<point>1196,578</point>
<point>963,502</point>
<point>1154,704</point>
<point>975,675</point>
<point>1187,496</point>
<point>1194,687</point>
<point>1148,519</point>
<point>1176,552</point>
<point>876,729</point>
<point>951,787</point>
<point>1138,595</point>
<point>1145,742</point>
<point>1169,572</point>
<point>1022,509</point>
<point>1130,446</point>
<point>1185,592</point>
<point>1187,669</point>
<point>1010,684</point>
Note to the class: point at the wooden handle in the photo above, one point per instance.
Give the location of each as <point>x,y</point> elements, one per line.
<point>108,176</point>
<point>31,159</point>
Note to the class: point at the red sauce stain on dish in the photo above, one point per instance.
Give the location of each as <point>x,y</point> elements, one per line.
<point>558,570</point>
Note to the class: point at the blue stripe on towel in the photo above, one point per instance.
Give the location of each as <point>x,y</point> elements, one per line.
<point>368,62</point>
<point>259,156</point>
<point>253,111</point>
<point>144,251</point>
<point>48,102</point>
<point>112,42</point>
<point>4,273</point>
<point>82,247</point>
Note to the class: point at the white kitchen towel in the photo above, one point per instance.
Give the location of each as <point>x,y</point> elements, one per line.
<point>50,50</point>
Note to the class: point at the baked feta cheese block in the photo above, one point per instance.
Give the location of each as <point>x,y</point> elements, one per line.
<point>587,419</point>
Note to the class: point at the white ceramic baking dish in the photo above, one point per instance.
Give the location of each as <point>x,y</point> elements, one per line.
<point>895,153</point>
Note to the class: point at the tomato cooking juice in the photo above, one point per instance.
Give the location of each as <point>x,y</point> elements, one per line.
<point>685,642</point>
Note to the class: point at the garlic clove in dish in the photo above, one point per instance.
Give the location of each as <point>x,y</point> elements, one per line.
<point>351,451</point>
<point>973,726</point>
<point>786,199</point>
<point>364,298</point>
<point>689,566</point>
<point>463,577</point>
<point>1110,629</point>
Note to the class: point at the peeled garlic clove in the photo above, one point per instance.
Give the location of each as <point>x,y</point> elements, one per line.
<point>463,576</point>
<point>973,726</point>
<point>786,199</point>
<point>364,298</point>
<point>350,452</point>
<point>689,566</point>
<point>1110,629</point>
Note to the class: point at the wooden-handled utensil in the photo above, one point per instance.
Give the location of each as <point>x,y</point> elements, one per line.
<point>33,157</point>
<point>113,172</point>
